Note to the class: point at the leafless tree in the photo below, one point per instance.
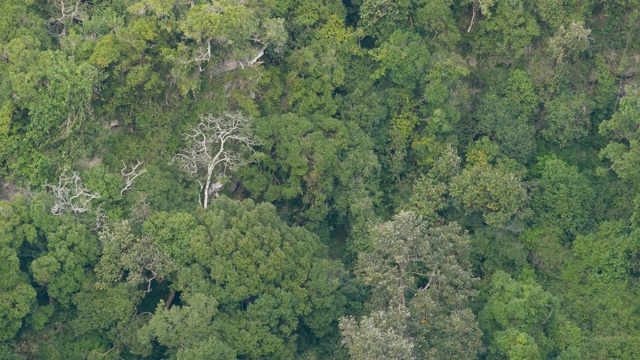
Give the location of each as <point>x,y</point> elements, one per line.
<point>130,177</point>
<point>213,146</point>
<point>68,9</point>
<point>71,195</point>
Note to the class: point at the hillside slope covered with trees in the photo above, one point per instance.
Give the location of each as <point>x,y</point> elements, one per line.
<point>319,179</point>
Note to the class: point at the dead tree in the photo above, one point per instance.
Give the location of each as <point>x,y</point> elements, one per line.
<point>71,195</point>
<point>130,177</point>
<point>68,10</point>
<point>213,146</point>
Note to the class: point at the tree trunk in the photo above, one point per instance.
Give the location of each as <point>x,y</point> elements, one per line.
<point>402,299</point>
<point>167,306</point>
<point>205,204</point>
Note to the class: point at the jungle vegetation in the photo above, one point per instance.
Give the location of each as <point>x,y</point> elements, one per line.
<point>320,179</point>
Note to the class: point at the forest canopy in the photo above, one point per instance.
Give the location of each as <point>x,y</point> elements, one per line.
<point>319,179</point>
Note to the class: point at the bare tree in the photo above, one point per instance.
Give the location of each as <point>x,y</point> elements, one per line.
<point>68,9</point>
<point>213,146</point>
<point>71,195</point>
<point>130,177</point>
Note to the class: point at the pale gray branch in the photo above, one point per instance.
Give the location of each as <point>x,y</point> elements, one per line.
<point>212,146</point>
<point>130,177</point>
<point>71,195</point>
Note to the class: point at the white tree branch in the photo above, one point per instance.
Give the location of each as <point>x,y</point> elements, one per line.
<point>210,146</point>
<point>71,195</point>
<point>130,177</point>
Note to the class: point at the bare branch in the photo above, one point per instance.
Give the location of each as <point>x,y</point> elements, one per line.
<point>212,146</point>
<point>68,11</point>
<point>131,175</point>
<point>149,280</point>
<point>71,195</point>
<point>472,17</point>
<point>202,55</point>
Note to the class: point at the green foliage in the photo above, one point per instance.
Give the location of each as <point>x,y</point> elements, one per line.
<point>443,112</point>
<point>623,129</point>
<point>564,198</point>
<point>498,195</point>
<point>380,17</point>
<point>188,331</point>
<point>437,20</point>
<point>424,272</point>
<point>18,294</point>
<point>498,250</point>
<point>605,90</point>
<point>547,254</point>
<point>567,119</point>
<point>518,314</point>
<point>102,308</point>
<point>317,70</point>
<point>49,95</point>
<point>517,345</point>
<point>379,336</point>
<point>601,277</point>
<point>266,277</point>
<point>136,260</point>
<point>569,42</point>
<point>402,57</point>
<point>507,31</point>
<point>506,116</point>
<point>60,267</point>
<point>314,162</point>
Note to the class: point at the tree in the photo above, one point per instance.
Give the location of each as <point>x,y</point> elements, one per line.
<point>18,296</point>
<point>564,198</point>
<point>379,18</point>
<point>508,29</point>
<point>213,145</point>
<point>403,58</point>
<point>430,192</point>
<point>602,275</point>
<point>437,20</point>
<point>233,26</point>
<point>267,278</point>
<point>518,316</point>
<point>318,166</point>
<point>623,128</point>
<point>137,260</point>
<point>189,331</point>
<point>570,41</point>
<point>48,97</point>
<point>506,116</point>
<point>379,336</point>
<point>567,118</point>
<point>317,70</point>
<point>549,252</point>
<point>71,195</point>
<point>424,272</point>
<point>496,193</point>
<point>62,264</point>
